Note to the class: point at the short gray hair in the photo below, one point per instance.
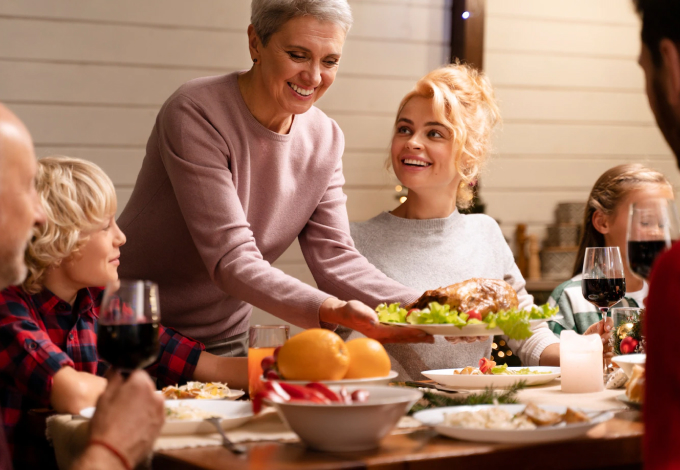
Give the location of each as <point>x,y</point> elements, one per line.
<point>268,16</point>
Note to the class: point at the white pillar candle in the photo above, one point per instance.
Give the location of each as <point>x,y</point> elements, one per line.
<point>581,362</point>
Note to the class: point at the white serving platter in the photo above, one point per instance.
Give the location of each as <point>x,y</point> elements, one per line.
<point>448,378</point>
<point>452,330</point>
<point>235,414</point>
<point>435,418</point>
<point>234,394</point>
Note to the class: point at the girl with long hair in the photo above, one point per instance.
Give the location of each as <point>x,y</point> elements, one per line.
<point>604,224</point>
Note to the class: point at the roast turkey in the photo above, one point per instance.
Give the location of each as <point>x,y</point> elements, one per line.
<point>482,295</point>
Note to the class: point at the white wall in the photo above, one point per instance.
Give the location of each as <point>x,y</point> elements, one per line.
<point>573,101</point>
<point>88,77</point>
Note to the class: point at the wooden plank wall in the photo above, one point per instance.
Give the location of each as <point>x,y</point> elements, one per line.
<point>573,102</point>
<point>88,78</point>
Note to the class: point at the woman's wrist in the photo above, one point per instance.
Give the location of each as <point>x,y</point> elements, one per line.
<point>331,311</point>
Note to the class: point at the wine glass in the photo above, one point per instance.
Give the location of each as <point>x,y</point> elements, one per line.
<point>262,341</point>
<point>127,336</point>
<point>604,282</point>
<point>652,228</point>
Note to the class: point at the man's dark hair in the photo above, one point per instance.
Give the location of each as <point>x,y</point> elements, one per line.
<point>660,19</point>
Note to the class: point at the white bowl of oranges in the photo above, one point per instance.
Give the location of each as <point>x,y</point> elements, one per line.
<point>319,355</point>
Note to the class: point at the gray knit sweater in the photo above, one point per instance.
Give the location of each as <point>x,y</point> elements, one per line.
<point>426,254</point>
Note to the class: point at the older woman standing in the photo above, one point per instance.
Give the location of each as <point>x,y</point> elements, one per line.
<point>237,167</point>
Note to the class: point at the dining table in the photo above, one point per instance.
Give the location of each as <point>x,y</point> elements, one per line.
<point>614,444</point>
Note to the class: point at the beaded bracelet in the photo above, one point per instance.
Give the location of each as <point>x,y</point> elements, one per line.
<point>114,451</point>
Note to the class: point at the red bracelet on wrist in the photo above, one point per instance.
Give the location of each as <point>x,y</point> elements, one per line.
<point>114,451</point>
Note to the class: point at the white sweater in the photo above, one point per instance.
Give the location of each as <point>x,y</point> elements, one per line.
<point>427,254</point>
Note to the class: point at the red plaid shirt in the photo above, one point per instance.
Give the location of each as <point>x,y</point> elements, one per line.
<point>40,334</point>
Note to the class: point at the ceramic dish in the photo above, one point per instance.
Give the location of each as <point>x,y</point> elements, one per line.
<point>233,395</point>
<point>435,418</point>
<point>452,330</point>
<point>627,361</point>
<point>235,414</point>
<point>448,378</point>
<point>348,428</point>
<point>633,404</point>
<point>348,382</point>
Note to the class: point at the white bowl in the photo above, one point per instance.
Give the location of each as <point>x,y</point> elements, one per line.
<point>627,361</point>
<point>347,428</point>
<point>347,382</point>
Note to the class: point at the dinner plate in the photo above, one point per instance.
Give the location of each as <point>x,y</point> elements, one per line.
<point>233,395</point>
<point>347,382</point>
<point>448,378</point>
<point>235,414</point>
<point>479,329</point>
<point>633,404</point>
<point>435,418</point>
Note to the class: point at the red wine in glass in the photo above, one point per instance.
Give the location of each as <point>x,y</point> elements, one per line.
<point>128,347</point>
<point>642,254</point>
<point>604,282</point>
<point>128,326</point>
<point>652,228</point>
<point>603,293</point>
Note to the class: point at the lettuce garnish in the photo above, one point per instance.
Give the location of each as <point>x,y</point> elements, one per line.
<point>514,323</point>
<point>503,370</point>
<point>499,369</point>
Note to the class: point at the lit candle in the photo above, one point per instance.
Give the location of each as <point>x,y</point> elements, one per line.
<point>581,362</point>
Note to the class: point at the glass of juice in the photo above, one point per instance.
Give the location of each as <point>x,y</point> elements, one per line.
<point>262,341</point>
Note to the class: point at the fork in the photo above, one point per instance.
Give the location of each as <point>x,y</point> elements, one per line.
<point>235,448</point>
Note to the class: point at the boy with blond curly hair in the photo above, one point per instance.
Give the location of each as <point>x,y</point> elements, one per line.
<point>48,326</point>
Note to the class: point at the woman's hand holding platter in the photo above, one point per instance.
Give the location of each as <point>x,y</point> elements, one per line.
<point>360,317</point>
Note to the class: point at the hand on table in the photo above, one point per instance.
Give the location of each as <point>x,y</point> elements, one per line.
<point>360,317</point>
<point>129,415</point>
<point>596,329</point>
<point>465,339</point>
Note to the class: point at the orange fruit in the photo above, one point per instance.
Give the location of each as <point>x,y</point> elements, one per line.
<point>315,354</point>
<point>367,358</point>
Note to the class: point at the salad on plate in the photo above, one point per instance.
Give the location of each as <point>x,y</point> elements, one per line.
<point>489,367</point>
<point>514,323</point>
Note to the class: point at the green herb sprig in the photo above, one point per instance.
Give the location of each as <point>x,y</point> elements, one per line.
<point>486,397</point>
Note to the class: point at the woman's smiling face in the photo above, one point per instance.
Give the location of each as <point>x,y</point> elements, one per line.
<point>422,148</point>
<point>300,62</point>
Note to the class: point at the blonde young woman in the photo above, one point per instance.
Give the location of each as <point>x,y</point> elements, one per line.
<point>441,140</point>
<point>605,224</point>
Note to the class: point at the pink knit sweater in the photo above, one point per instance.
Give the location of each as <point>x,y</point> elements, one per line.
<point>220,197</point>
